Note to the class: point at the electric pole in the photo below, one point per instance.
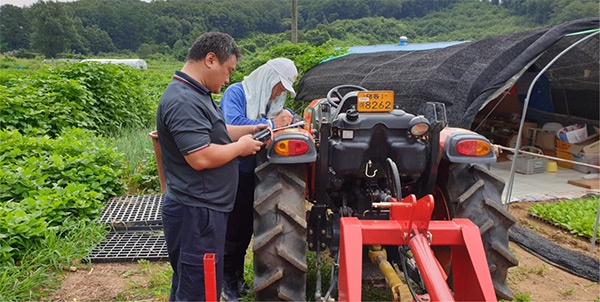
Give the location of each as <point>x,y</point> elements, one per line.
<point>294,21</point>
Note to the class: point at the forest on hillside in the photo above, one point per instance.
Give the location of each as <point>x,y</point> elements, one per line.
<point>135,28</point>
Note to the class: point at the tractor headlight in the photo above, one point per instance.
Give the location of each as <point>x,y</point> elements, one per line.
<point>418,126</point>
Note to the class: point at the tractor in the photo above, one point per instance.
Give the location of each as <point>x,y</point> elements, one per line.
<point>361,177</point>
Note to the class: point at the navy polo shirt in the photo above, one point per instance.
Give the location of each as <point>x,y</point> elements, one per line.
<point>188,120</point>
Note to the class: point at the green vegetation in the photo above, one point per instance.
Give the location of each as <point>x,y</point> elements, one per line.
<point>59,166</point>
<point>522,297</point>
<point>159,285</point>
<point>145,29</point>
<point>40,270</point>
<point>46,182</point>
<point>157,288</point>
<point>94,96</point>
<point>576,215</point>
<point>567,292</point>
<point>74,135</point>
<point>142,171</point>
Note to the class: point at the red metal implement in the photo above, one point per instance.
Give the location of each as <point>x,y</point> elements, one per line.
<point>410,225</point>
<point>210,278</point>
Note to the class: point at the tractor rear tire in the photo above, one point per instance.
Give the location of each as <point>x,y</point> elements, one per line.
<point>473,192</point>
<point>280,233</point>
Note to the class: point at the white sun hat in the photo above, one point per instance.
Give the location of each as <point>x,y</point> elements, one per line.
<point>287,72</point>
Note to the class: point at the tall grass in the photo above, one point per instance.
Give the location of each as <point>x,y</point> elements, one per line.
<point>142,173</point>
<point>157,288</point>
<point>41,270</point>
<point>136,144</point>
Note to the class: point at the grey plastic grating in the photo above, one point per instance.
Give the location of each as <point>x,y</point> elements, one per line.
<point>130,247</point>
<point>133,212</point>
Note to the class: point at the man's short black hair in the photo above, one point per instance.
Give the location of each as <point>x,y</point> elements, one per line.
<point>221,44</point>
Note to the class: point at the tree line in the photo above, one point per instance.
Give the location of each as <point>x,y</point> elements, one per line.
<point>91,27</point>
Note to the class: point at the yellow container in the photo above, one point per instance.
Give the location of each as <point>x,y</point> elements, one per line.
<point>551,166</point>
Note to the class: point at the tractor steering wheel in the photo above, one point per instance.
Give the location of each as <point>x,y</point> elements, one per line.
<point>336,91</point>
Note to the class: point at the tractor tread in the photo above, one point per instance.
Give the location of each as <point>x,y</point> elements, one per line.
<point>280,233</point>
<point>286,294</point>
<point>258,202</point>
<point>473,192</point>
<point>500,210</point>
<point>301,221</point>
<point>264,239</point>
<point>292,177</point>
<point>299,264</point>
<point>486,226</point>
<point>505,252</point>
<point>261,283</point>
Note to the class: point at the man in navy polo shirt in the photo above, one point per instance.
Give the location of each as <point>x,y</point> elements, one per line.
<point>198,154</point>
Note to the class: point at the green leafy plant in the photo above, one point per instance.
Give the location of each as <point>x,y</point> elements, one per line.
<point>46,181</point>
<point>576,215</point>
<point>94,96</point>
<point>522,297</point>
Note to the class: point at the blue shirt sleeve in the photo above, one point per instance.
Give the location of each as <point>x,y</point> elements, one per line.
<point>233,106</point>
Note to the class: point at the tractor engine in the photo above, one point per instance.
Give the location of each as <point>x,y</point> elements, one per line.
<point>368,153</point>
<point>359,147</point>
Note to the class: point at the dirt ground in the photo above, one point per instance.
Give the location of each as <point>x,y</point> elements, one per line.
<point>542,281</point>
<point>532,278</point>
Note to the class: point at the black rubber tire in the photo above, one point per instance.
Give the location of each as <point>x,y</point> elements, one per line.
<point>473,192</point>
<point>280,233</point>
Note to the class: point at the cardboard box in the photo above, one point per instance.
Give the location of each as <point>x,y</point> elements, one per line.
<point>588,149</point>
<point>592,148</point>
<point>590,144</point>
<point>545,140</point>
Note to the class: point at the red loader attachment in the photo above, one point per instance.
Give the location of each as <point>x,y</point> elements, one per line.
<point>410,225</point>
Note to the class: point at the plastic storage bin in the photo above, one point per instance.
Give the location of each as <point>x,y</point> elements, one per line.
<point>530,164</point>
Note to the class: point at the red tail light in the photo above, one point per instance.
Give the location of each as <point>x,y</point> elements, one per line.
<point>473,148</point>
<point>291,147</point>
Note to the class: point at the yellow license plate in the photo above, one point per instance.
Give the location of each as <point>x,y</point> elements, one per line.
<point>375,101</point>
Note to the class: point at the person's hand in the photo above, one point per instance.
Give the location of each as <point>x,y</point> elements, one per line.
<point>283,119</point>
<point>259,127</point>
<point>249,145</point>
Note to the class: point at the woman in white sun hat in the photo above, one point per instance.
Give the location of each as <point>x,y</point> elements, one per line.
<point>258,99</point>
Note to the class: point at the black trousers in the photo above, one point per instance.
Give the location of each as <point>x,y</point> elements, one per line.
<point>191,232</point>
<point>239,228</point>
